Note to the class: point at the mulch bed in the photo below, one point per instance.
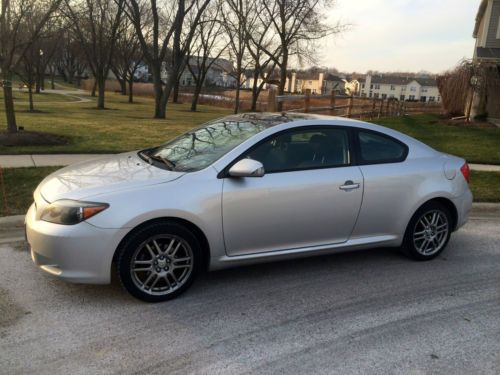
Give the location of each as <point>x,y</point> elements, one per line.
<point>30,138</point>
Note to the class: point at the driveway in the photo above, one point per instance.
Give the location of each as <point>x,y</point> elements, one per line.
<point>363,312</point>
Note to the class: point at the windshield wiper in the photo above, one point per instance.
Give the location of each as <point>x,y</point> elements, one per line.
<point>146,157</point>
<point>170,165</point>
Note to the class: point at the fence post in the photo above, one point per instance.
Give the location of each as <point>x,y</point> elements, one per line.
<point>332,103</point>
<point>349,108</point>
<point>307,100</point>
<point>271,98</point>
<point>372,113</point>
<point>381,108</point>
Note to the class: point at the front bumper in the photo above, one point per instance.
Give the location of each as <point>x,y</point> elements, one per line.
<point>80,253</point>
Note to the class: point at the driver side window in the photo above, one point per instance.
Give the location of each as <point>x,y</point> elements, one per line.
<point>303,149</point>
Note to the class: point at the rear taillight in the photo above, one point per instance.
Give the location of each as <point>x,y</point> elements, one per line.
<point>465,172</point>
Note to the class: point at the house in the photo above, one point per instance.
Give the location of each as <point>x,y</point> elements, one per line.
<point>299,83</point>
<point>487,56</point>
<point>219,74</point>
<point>422,89</point>
<point>333,83</point>
<point>247,79</point>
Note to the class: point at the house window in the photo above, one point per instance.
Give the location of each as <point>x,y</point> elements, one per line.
<point>393,87</point>
<point>384,96</point>
<point>370,95</point>
<point>375,95</point>
<point>371,86</point>
<point>439,99</point>
<point>412,97</point>
<point>413,88</point>
<point>377,87</point>
<point>362,85</point>
<point>424,89</point>
<point>401,97</point>
<point>403,88</point>
<point>432,98</point>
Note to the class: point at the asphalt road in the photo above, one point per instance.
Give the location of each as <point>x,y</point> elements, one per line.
<point>364,312</point>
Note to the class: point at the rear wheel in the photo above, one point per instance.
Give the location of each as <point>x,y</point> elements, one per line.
<point>428,232</point>
<point>159,261</point>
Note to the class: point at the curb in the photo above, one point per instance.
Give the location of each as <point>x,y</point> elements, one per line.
<point>479,210</point>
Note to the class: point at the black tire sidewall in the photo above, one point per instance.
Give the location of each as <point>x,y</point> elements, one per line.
<point>408,245</point>
<point>136,238</point>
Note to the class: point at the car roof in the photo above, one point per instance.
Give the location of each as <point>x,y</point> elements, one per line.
<point>270,119</point>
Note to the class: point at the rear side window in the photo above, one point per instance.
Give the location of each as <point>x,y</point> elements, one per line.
<point>378,148</point>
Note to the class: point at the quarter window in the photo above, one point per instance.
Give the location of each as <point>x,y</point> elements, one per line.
<point>377,148</point>
<point>303,149</point>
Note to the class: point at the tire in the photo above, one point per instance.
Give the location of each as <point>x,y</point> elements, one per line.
<point>428,232</point>
<point>159,261</point>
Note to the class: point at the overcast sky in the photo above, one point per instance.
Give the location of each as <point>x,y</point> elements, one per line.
<point>401,35</point>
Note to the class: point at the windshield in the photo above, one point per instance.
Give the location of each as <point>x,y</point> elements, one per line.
<point>199,148</point>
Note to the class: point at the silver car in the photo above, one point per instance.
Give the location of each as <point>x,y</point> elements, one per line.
<point>240,190</point>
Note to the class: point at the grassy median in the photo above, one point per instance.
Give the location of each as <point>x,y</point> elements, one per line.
<point>19,184</point>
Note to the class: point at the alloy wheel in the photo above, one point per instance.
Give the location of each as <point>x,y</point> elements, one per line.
<point>161,265</point>
<point>431,232</point>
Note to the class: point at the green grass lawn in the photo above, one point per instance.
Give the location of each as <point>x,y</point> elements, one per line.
<point>476,145</point>
<point>21,98</point>
<point>121,127</point>
<point>21,182</point>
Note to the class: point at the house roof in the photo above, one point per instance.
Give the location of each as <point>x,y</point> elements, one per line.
<point>426,81</point>
<point>479,17</point>
<point>331,77</point>
<point>488,53</point>
<point>402,80</point>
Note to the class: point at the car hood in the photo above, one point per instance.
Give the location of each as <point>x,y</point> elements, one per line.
<point>101,176</point>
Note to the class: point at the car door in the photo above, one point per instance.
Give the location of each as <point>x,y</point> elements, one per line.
<point>310,194</point>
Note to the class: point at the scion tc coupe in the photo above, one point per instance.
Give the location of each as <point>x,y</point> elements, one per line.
<point>245,189</point>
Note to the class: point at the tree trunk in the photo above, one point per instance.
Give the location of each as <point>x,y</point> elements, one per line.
<point>38,83</point>
<point>158,90</point>
<point>196,97</point>
<point>94,88</point>
<point>255,93</point>
<point>175,97</point>
<point>52,78</point>
<point>131,90</point>
<point>101,86</point>
<point>123,85</point>
<point>9,104</point>
<point>283,74</point>
<point>30,96</point>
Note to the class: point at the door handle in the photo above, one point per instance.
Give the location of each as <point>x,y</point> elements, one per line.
<point>349,185</point>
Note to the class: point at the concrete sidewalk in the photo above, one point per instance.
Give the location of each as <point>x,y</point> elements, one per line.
<point>17,161</point>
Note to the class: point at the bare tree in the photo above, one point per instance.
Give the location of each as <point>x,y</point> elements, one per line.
<point>260,39</point>
<point>206,50</point>
<point>127,58</point>
<point>160,28</point>
<point>15,40</point>
<point>95,24</point>
<point>237,16</point>
<point>297,24</point>
<point>70,60</point>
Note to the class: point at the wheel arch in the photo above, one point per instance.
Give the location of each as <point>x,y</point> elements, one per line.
<point>205,245</point>
<point>448,204</point>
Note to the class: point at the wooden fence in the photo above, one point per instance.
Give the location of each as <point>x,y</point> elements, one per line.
<point>347,106</point>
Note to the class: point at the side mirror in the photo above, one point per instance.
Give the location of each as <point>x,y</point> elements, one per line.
<point>247,168</point>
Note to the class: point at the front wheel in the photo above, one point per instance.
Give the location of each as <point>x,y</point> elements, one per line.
<point>158,262</point>
<point>428,232</point>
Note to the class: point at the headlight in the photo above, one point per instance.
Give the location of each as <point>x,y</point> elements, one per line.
<point>69,212</point>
